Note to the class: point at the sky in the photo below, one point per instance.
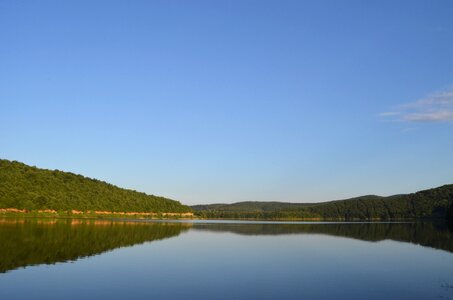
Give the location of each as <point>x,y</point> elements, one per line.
<point>226,101</point>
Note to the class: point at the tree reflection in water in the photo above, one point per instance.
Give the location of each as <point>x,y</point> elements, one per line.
<point>26,242</point>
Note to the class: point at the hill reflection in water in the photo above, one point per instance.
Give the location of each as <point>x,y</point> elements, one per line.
<point>429,234</point>
<point>27,242</point>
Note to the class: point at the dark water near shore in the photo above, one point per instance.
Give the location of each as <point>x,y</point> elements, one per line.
<point>100,259</point>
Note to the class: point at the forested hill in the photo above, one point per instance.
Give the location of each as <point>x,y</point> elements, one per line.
<point>432,203</point>
<point>31,188</point>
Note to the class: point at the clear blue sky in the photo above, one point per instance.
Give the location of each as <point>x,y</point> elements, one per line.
<point>224,101</point>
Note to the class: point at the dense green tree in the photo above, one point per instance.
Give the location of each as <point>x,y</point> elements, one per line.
<point>450,213</point>
<point>30,188</point>
<point>431,203</point>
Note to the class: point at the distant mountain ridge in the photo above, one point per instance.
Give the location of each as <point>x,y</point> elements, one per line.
<point>432,203</point>
<point>29,188</point>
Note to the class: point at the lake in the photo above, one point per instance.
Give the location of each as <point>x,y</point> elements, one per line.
<point>102,259</point>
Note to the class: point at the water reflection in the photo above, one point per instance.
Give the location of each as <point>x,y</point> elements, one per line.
<point>431,234</point>
<point>25,242</point>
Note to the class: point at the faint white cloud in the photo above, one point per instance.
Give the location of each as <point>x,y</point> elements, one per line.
<point>436,116</point>
<point>388,114</point>
<point>436,107</point>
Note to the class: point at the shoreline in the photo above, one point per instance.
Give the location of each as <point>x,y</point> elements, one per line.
<point>131,216</point>
<point>93,214</point>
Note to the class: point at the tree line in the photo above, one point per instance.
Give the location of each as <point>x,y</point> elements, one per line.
<point>433,203</point>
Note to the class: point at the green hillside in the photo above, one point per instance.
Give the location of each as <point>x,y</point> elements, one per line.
<point>31,188</point>
<point>432,203</point>
<point>450,213</point>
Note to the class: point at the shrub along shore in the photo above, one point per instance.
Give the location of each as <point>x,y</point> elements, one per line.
<point>14,212</point>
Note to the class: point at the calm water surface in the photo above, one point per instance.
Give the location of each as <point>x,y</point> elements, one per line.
<point>74,259</point>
